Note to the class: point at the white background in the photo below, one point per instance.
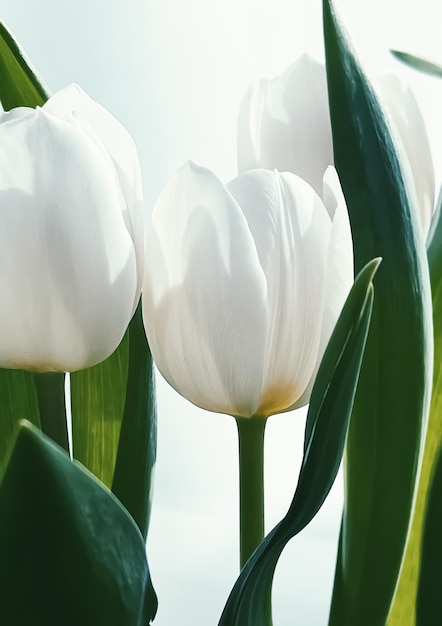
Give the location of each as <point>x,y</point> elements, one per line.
<point>173,72</point>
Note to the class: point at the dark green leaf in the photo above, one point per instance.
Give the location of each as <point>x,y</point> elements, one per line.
<point>97,398</point>
<point>18,400</point>
<point>392,397</point>
<point>417,63</point>
<point>70,553</point>
<point>19,84</point>
<point>133,477</point>
<point>404,608</point>
<point>327,423</point>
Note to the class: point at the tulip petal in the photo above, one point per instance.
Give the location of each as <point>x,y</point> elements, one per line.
<point>410,133</point>
<point>67,264</point>
<point>284,123</point>
<point>204,296</point>
<point>75,107</point>
<point>291,229</point>
<point>339,269</point>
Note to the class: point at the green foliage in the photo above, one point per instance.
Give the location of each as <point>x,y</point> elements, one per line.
<point>70,552</point>
<point>97,402</point>
<point>429,597</point>
<point>326,428</point>
<point>417,63</point>
<point>114,421</point>
<point>424,541</point>
<point>19,85</point>
<point>133,477</point>
<point>391,403</point>
<point>18,400</point>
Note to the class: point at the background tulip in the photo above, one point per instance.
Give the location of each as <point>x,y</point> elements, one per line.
<point>285,123</point>
<point>71,251</point>
<point>410,134</point>
<point>243,285</point>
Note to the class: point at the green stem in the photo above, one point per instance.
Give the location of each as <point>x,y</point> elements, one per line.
<point>52,405</point>
<point>251,483</point>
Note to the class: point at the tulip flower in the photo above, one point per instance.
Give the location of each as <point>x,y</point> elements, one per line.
<point>285,123</point>
<point>243,285</point>
<point>410,134</point>
<point>71,233</point>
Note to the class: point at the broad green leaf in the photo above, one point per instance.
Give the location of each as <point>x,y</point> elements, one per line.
<point>429,597</point>
<point>391,404</point>
<point>19,84</point>
<point>326,428</point>
<point>18,400</point>
<point>133,477</point>
<point>403,612</point>
<point>70,552</point>
<point>417,63</point>
<point>97,400</point>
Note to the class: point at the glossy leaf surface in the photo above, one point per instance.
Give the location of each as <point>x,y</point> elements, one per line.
<point>133,477</point>
<point>403,612</point>
<point>19,85</point>
<point>326,428</point>
<point>70,552</point>
<point>391,403</point>
<point>97,399</point>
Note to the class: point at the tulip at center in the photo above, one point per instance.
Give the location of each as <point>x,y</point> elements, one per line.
<point>243,285</point>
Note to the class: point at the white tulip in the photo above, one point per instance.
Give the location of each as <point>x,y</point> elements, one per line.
<point>71,234</point>
<point>243,285</point>
<point>409,132</point>
<point>285,123</point>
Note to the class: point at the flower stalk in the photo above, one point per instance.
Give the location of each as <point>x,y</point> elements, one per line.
<point>251,483</point>
<point>52,406</point>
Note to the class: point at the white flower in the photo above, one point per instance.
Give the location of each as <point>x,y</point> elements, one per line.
<point>71,234</point>
<point>285,123</point>
<point>243,285</point>
<point>410,134</point>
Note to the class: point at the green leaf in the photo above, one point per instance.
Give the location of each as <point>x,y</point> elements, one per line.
<point>133,477</point>
<point>97,400</point>
<point>391,403</point>
<point>326,428</point>
<point>429,597</point>
<point>70,552</point>
<point>19,84</point>
<point>403,612</point>
<point>18,400</point>
<point>418,63</point>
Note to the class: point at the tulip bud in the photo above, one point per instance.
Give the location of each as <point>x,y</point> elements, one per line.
<point>285,123</point>
<point>71,229</point>
<point>243,285</point>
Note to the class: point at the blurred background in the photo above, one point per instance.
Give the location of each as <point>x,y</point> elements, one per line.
<point>174,73</point>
